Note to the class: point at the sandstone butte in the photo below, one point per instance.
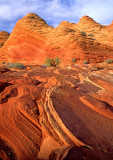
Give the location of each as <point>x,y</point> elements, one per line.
<point>56,113</point>
<point>32,40</point>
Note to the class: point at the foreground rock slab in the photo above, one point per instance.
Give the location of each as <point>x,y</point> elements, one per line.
<point>56,113</point>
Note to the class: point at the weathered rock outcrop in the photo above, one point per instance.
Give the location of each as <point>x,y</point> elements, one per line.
<point>32,40</point>
<point>56,113</point>
<point>3,37</point>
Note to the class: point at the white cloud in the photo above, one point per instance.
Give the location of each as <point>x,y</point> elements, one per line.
<point>54,11</point>
<point>100,10</point>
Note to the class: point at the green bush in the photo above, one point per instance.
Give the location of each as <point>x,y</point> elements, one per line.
<point>48,62</point>
<point>83,33</point>
<point>73,60</point>
<point>10,65</point>
<point>85,62</point>
<point>90,34</point>
<point>15,65</point>
<point>109,61</point>
<point>52,62</point>
<point>57,61</point>
<point>19,66</point>
<point>3,63</point>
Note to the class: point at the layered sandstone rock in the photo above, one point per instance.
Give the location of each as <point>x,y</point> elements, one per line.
<point>32,40</point>
<point>56,113</point>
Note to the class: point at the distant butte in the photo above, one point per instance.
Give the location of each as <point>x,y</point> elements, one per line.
<point>32,40</point>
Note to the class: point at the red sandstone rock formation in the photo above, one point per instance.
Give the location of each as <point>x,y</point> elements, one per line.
<point>32,40</point>
<point>3,37</point>
<point>56,113</point>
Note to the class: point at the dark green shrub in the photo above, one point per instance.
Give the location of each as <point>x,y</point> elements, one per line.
<point>85,62</point>
<point>90,34</point>
<point>73,60</point>
<point>109,61</point>
<point>10,65</point>
<point>15,65</point>
<point>18,66</point>
<point>83,33</point>
<point>3,63</point>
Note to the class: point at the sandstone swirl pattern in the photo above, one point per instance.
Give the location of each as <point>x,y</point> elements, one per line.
<point>56,113</point>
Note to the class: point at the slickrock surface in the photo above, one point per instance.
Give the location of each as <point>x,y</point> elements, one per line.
<point>32,40</point>
<point>56,113</point>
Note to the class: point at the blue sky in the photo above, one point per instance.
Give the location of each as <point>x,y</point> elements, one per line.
<point>55,11</point>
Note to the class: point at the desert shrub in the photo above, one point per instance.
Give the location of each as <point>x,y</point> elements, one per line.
<point>15,65</point>
<point>10,65</point>
<point>83,33</point>
<point>85,62</point>
<point>57,61</point>
<point>109,61</point>
<point>101,26</point>
<point>48,62</point>
<point>67,29</point>
<point>73,60</point>
<point>52,62</point>
<point>90,34</point>
<point>18,66</point>
<point>2,62</point>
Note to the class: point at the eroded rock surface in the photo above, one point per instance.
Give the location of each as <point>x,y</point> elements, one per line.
<point>3,37</point>
<point>32,40</point>
<point>56,113</point>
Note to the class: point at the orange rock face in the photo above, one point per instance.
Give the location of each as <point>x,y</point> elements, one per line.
<point>32,40</point>
<point>3,37</point>
<point>56,113</point>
